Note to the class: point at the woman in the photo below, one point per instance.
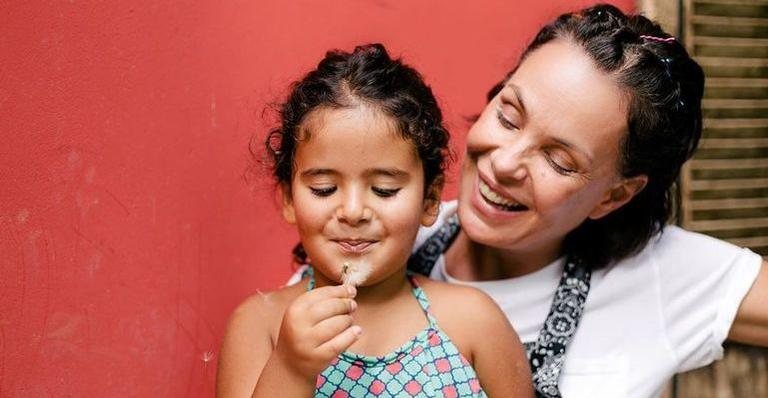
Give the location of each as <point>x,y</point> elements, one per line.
<point>565,190</point>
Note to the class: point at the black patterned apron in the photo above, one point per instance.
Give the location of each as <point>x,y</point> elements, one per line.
<point>546,355</point>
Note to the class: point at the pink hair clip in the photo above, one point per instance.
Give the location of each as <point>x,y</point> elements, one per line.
<point>661,39</point>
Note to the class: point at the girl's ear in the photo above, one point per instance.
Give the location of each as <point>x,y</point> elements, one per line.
<point>289,213</point>
<point>619,195</point>
<point>432,201</point>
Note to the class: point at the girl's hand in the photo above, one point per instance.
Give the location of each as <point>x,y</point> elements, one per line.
<point>316,328</point>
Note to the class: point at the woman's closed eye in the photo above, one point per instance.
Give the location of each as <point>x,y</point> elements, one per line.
<point>505,120</point>
<point>560,165</point>
<point>385,192</point>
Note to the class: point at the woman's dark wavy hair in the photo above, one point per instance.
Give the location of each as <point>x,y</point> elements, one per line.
<point>367,76</point>
<point>665,87</point>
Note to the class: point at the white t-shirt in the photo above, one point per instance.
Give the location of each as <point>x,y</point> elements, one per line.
<point>666,310</point>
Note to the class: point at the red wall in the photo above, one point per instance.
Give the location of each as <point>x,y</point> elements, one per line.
<point>127,230</point>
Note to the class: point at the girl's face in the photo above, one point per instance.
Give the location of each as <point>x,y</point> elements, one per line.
<point>357,192</point>
<point>543,156</point>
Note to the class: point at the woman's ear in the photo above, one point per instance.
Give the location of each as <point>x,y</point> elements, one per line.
<point>619,195</point>
<point>432,201</point>
<point>289,214</point>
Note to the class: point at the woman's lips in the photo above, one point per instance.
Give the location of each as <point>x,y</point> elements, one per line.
<point>354,246</point>
<point>497,200</point>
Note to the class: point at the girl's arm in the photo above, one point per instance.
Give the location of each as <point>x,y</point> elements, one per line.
<point>246,347</point>
<point>751,323</point>
<point>497,354</point>
<point>315,328</point>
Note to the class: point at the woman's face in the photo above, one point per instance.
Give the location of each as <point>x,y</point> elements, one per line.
<point>543,156</point>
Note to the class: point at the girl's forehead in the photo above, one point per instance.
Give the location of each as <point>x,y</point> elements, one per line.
<point>353,135</point>
<point>349,117</point>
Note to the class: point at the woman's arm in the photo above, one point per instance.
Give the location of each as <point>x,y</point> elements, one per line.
<point>751,323</point>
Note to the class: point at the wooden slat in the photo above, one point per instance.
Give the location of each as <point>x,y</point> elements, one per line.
<point>733,2</point>
<point>714,225</point>
<point>722,164</point>
<point>720,143</point>
<point>735,123</point>
<point>727,103</point>
<point>720,20</point>
<point>739,183</point>
<point>726,61</point>
<point>730,203</point>
<point>729,41</point>
<point>718,82</point>
<point>752,241</point>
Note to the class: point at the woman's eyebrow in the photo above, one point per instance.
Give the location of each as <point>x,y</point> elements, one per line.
<point>518,96</point>
<point>574,147</point>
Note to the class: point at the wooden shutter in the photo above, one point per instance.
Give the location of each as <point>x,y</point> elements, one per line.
<point>725,186</point>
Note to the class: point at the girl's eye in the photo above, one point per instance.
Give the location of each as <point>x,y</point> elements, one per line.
<point>384,192</point>
<point>504,120</point>
<point>323,191</point>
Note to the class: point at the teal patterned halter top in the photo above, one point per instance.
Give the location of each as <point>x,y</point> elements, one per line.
<point>428,365</point>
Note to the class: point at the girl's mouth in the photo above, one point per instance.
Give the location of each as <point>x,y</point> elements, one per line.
<point>354,246</point>
<point>498,201</point>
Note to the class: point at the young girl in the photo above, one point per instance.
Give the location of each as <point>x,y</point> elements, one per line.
<point>359,159</point>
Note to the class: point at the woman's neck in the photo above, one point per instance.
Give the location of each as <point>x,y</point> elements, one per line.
<point>471,261</point>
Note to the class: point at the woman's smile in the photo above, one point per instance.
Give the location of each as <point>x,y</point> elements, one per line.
<point>497,200</point>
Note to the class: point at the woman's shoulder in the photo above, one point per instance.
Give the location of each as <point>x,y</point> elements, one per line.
<point>675,244</point>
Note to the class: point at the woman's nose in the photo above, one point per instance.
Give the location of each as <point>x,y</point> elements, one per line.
<point>353,209</point>
<point>509,163</point>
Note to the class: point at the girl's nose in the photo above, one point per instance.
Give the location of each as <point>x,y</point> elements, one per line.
<point>509,164</point>
<point>353,210</point>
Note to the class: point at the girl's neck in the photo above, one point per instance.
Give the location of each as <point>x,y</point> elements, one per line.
<point>471,261</point>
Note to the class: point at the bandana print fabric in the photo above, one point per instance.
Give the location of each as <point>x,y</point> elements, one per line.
<point>428,365</point>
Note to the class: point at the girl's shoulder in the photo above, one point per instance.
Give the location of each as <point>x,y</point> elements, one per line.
<point>264,310</point>
<point>462,311</point>
<point>446,295</point>
<point>472,320</point>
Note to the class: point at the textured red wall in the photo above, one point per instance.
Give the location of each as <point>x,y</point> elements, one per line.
<point>127,230</point>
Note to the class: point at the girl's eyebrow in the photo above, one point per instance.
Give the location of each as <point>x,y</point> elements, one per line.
<point>388,172</point>
<point>318,172</point>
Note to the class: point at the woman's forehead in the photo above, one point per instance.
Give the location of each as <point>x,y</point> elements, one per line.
<point>561,88</point>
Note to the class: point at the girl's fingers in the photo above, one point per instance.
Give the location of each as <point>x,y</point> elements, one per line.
<point>330,308</point>
<point>341,341</point>
<point>319,294</point>
<point>329,328</point>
